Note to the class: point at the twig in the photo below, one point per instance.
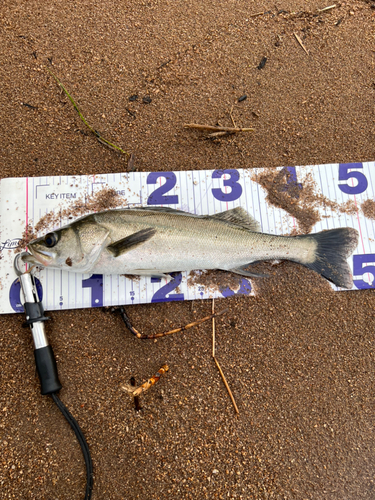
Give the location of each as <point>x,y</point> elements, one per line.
<point>257,14</point>
<point>150,382</point>
<point>213,328</point>
<point>226,385</point>
<point>95,132</point>
<point>216,361</point>
<point>170,332</point>
<point>217,134</point>
<point>131,166</point>
<point>231,117</point>
<point>327,8</point>
<point>136,398</point>
<point>300,42</point>
<point>229,130</point>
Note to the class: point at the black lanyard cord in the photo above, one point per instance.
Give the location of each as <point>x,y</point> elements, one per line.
<point>82,441</point>
<point>45,360</point>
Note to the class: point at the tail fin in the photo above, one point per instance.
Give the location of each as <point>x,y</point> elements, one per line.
<point>333,248</point>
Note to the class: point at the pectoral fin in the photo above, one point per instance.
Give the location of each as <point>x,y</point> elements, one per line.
<point>130,242</point>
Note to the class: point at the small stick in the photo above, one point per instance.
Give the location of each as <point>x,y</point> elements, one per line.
<point>151,381</point>
<point>131,166</point>
<point>300,42</point>
<point>229,130</point>
<point>216,361</point>
<point>231,117</point>
<point>136,398</point>
<point>144,387</point>
<point>170,332</point>
<point>257,14</point>
<point>213,328</point>
<point>226,385</point>
<point>95,132</point>
<point>327,8</point>
<point>218,134</point>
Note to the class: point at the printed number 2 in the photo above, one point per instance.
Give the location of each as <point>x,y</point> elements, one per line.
<point>95,282</point>
<point>345,175</point>
<point>359,269</point>
<point>158,196</point>
<point>235,188</point>
<point>161,294</point>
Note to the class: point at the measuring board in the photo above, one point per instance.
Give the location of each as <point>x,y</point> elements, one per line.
<point>25,201</point>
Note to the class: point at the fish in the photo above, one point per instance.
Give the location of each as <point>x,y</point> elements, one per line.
<point>159,240</point>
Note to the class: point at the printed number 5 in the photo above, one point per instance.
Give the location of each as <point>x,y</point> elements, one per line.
<point>360,268</point>
<point>345,175</point>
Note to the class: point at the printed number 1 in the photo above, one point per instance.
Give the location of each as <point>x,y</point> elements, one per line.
<point>95,282</point>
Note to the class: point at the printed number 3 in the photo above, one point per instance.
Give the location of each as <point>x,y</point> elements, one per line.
<point>345,175</point>
<point>232,183</point>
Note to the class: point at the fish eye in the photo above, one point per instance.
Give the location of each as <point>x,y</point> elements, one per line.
<point>50,240</point>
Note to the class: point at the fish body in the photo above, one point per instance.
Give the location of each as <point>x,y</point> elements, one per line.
<point>152,242</point>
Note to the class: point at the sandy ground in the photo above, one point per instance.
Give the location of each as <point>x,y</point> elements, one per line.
<point>299,358</point>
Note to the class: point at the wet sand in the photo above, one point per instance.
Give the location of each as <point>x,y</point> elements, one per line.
<point>299,358</point>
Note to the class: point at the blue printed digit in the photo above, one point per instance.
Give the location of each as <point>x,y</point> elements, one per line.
<point>95,282</point>
<point>345,175</point>
<point>291,181</point>
<point>245,289</point>
<point>15,294</point>
<point>158,197</point>
<point>235,188</point>
<point>161,294</point>
<point>360,268</point>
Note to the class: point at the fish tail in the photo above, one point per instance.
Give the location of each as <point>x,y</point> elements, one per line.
<point>333,247</point>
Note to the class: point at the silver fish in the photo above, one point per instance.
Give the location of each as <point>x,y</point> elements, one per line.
<point>152,242</point>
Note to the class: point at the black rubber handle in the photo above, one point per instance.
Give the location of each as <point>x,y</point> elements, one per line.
<point>47,370</point>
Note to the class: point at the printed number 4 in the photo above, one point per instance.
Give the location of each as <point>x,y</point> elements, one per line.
<point>345,175</point>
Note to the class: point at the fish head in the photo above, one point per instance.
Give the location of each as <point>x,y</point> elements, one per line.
<point>74,248</point>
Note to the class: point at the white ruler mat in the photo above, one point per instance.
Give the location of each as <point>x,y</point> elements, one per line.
<point>26,200</point>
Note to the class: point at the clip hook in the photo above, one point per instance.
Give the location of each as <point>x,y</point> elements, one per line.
<point>16,263</point>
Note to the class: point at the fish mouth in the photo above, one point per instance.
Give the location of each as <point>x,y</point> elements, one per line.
<point>39,256</point>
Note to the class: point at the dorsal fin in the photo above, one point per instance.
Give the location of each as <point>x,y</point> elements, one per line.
<point>240,217</point>
<point>163,209</point>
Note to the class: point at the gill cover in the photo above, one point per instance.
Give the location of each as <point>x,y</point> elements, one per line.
<point>76,247</point>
